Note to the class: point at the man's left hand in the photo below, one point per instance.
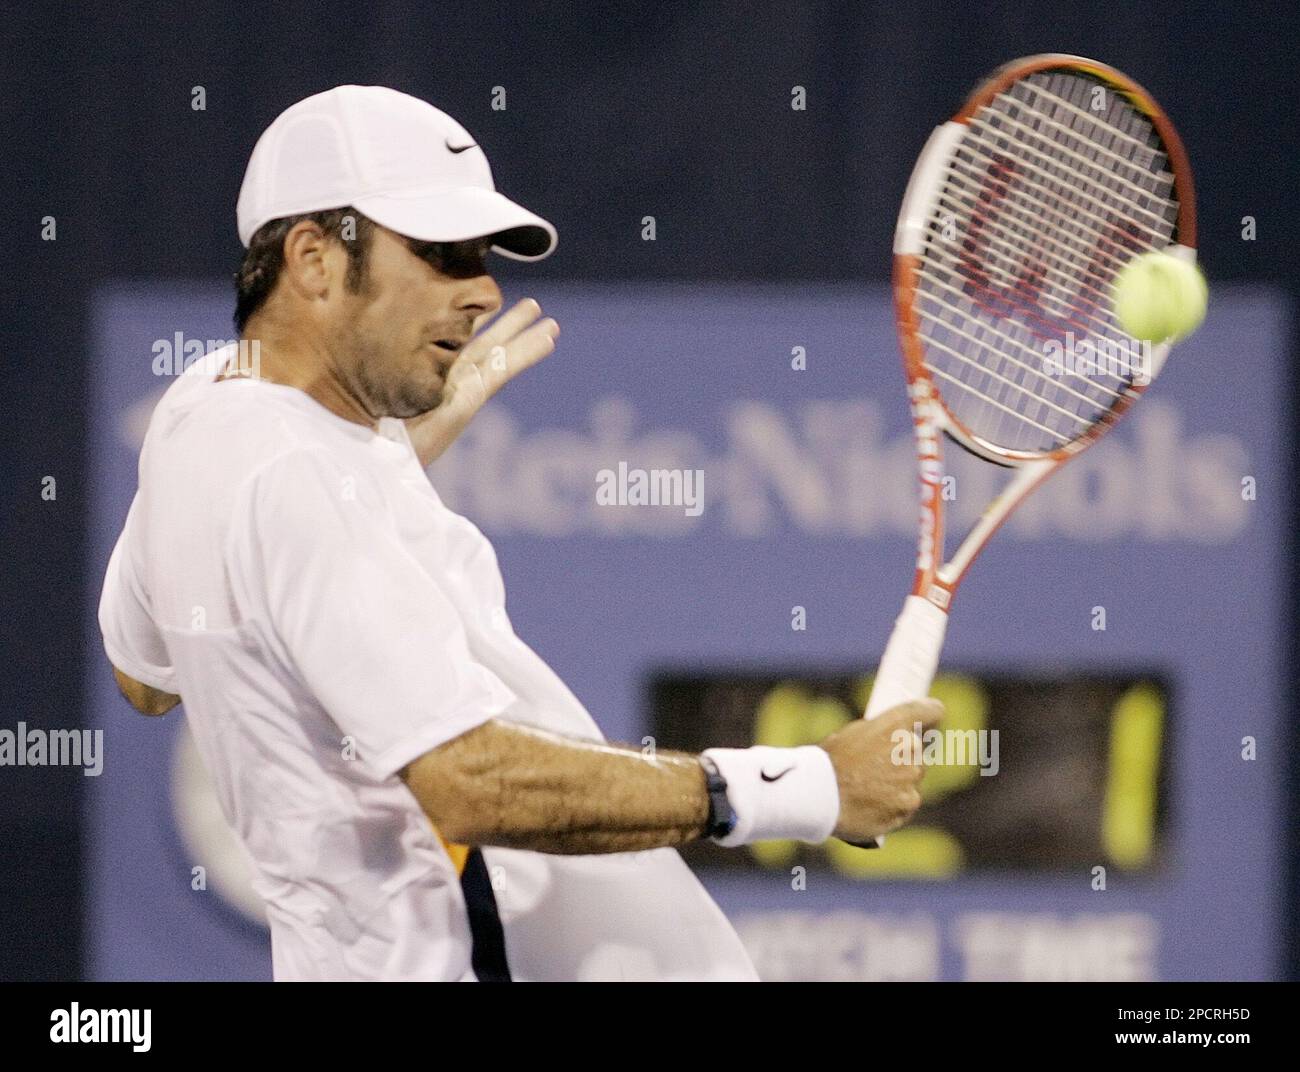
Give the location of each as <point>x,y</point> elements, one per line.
<point>516,340</point>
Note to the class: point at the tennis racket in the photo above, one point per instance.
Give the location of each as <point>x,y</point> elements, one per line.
<point>1019,214</point>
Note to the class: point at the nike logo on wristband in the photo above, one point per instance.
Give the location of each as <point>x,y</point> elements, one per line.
<point>774,777</point>
<point>460,148</point>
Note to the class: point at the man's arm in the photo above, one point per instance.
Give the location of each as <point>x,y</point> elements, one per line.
<point>144,698</point>
<point>521,787</point>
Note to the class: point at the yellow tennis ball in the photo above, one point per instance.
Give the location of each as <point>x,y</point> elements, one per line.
<point>1158,296</point>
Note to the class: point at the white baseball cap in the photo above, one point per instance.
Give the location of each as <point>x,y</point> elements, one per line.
<point>394,158</point>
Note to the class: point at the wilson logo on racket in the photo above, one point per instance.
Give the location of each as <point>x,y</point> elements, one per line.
<point>1115,242</point>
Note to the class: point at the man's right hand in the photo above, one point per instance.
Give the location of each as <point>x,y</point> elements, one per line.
<point>879,793</point>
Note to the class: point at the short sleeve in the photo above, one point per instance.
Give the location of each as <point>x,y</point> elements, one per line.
<point>132,640</point>
<point>360,622</point>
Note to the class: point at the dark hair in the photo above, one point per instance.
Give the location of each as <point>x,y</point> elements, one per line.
<point>260,269</point>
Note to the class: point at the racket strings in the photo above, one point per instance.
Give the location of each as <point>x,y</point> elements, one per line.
<point>1056,183</point>
<point>1090,390</point>
<point>1090,222</point>
<point>1081,226</point>
<point>1108,251</point>
<point>1138,174</point>
<point>1083,423</point>
<point>1113,188</point>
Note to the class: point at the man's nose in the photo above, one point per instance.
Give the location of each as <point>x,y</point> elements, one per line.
<point>479,296</point>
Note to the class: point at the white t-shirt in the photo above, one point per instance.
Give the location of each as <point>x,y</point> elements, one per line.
<point>327,619</point>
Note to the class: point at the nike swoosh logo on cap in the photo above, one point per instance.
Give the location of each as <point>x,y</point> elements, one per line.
<point>774,777</point>
<point>460,148</point>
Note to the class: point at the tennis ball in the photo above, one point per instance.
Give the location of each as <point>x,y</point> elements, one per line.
<point>1158,296</point>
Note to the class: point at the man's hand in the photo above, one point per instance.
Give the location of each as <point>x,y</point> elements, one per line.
<point>877,793</point>
<point>516,340</point>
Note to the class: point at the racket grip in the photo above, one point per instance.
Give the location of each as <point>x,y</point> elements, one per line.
<point>911,656</point>
<point>908,665</point>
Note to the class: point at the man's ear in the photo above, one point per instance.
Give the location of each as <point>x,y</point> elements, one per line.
<point>308,266</point>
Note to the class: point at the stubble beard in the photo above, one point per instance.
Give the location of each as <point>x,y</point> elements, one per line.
<point>402,399</point>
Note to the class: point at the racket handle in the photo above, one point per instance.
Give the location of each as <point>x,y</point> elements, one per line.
<point>911,656</point>
<point>908,665</point>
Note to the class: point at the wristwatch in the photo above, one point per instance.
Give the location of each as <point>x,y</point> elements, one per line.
<point>722,820</point>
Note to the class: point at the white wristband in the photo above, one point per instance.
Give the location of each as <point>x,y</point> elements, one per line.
<point>778,793</point>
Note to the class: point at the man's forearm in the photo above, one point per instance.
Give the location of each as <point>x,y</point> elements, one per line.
<point>521,787</point>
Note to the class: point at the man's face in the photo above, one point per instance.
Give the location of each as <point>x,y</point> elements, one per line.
<point>418,304</point>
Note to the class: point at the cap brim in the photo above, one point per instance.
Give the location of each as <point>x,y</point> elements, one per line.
<point>462,213</point>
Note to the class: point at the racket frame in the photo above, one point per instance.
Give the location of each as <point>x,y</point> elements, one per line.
<point>911,656</point>
<point>935,580</point>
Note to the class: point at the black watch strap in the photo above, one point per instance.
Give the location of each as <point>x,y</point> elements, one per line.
<point>722,820</point>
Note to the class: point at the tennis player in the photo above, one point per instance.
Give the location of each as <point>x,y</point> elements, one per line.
<point>421,795</point>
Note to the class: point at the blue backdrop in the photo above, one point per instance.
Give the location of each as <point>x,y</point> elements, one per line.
<point>809,500</point>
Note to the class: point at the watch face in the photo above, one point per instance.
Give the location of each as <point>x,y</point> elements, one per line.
<point>725,821</point>
<point>722,819</point>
